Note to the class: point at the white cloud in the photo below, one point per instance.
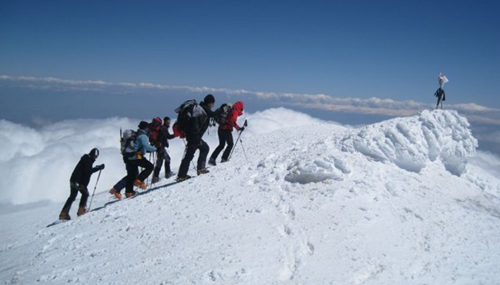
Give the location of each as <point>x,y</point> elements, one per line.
<point>369,106</point>
<point>37,164</point>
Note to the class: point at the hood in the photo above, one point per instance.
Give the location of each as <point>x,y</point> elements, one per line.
<point>238,106</point>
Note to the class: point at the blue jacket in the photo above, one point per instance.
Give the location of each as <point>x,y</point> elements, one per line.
<point>142,143</point>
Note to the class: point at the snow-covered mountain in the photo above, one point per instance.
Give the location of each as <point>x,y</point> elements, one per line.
<point>396,202</point>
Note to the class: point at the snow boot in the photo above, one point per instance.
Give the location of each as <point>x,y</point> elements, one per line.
<point>155,180</point>
<point>140,184</point>
<point>203,171</point>
<point>132,194</point>
<point>211,161</point>
<point>224,160</point>
<point>118,195</point>
<point>64,216</point>
<point>181,179</point>
<point>112,191</point>
<point>82,211</point>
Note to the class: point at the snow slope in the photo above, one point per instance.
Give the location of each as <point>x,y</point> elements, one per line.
<point>391,203</point>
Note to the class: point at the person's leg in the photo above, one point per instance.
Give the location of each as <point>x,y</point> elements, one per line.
<point>202,159</point>
<point>85,196</point>
<point>72,196</point>
<point>148,168</point>
<point>168,170</point>
<point>82,209</point>
<point>120,184</point>
<point>160,153</point>
<point>220,147</point>
<point>228,136</point>
<point>184,167</point>
<point>132,172</point>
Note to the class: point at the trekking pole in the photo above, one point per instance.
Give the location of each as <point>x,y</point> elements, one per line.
<point>92,198</point>
<point>231,154</point>
<point>244,151</point>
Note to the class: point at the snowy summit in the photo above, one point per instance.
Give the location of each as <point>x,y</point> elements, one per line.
<point>397,202</point>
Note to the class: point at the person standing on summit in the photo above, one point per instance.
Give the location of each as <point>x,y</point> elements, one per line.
<point>196,128</point>
<point>79,182</point>
<point>225,133</point>
<point>440,94</point>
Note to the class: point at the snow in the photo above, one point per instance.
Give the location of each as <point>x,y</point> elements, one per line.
<point>396,202</point>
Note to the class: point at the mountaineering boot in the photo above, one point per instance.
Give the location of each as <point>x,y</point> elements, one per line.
<point>112,191</point>
<point>224,160</point>
<point>131,194</point>
<point>211,161</point>
<point>140,184</point>
<point>169,174</point>
<point>82,211</point>
<point>64,216</point>
<point>181,179</point>
<point>203,171</point>
<point>155,180</point>
<point>118,195</point>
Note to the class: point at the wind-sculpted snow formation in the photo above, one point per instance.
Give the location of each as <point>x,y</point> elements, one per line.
<point>412,142</point>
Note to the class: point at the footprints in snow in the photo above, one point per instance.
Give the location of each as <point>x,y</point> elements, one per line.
<point>298,246</point>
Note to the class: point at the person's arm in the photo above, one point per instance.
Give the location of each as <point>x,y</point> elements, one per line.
<point>233,117</point>
<point>169,136</point>
<point>145,144</point>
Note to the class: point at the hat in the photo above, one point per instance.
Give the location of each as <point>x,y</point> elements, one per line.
<point>94,153</point>
<point>209,99</point>
<point>143,125</point>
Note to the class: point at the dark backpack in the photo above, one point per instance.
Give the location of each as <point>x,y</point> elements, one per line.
<point>185,114</point>
<point>221,114</point>
<point>127,141</point>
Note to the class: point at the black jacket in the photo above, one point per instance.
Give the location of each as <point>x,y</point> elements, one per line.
<point>164,135</point>
<point>83,170</point>
<point>199,123</point>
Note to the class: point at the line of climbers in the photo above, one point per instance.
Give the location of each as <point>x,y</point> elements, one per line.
<point>192,122</point>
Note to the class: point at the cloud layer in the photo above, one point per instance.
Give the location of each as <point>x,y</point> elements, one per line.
<point>371,106</point>
<point>37,164</point>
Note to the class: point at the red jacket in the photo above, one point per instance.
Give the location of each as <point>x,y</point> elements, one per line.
<point>236,111</point>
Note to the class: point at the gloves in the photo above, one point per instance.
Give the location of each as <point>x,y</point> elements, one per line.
<point>242,129</point>
<point>100,167</point>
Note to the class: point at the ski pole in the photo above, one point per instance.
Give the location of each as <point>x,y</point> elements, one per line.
<point>92,198</point>
<point>244,151</point>
<point>231,154</point>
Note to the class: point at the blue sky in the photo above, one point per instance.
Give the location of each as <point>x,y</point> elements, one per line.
<point>386,49</point>
<point>350,61</point>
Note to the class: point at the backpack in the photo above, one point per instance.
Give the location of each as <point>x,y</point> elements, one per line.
<point>155,127</point>
<point>127,141</point>
<point>185,114</point>
<point>221,114</point>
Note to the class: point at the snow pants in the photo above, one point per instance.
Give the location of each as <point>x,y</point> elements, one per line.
<point>189,155</point>
<point>225,136</point>
<point>162,156</point>
<point>133,172</point>
<point>74,189</point>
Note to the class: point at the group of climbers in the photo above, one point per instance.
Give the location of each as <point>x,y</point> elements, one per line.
<point>192,122</point>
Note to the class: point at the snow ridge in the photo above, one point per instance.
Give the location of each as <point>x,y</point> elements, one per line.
<point>309,206</point>
<point>412,142</point>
